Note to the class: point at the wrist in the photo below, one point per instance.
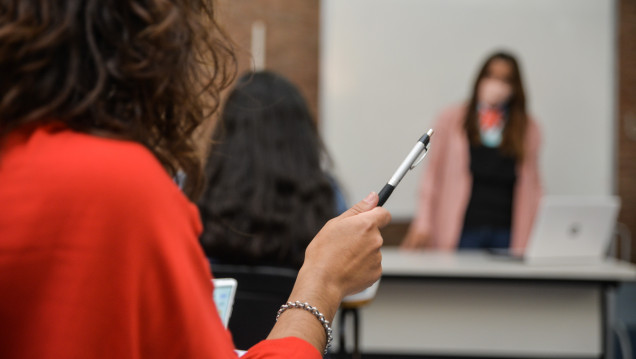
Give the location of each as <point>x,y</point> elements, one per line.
<point>322,293</point>
<point>315,312</point>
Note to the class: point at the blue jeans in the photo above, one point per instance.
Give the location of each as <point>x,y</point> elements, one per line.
<point>484,238</point>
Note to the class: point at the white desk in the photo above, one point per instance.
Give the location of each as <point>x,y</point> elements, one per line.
<point>472,304</point>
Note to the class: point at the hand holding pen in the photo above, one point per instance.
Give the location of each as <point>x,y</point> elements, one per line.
<point>411,161</point>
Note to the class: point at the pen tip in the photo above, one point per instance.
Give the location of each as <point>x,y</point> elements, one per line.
<point>430,132</point>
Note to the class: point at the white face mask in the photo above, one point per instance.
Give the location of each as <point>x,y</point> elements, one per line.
<point>493,92</point>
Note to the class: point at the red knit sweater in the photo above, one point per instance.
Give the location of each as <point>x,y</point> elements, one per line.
<point>99,256</point>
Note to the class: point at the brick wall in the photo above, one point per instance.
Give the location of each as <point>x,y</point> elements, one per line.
<point>292,34</point>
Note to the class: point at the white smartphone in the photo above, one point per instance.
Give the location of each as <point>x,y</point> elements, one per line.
<point>224,292</point>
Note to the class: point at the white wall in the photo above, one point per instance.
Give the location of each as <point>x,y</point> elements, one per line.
<point>388,67</point>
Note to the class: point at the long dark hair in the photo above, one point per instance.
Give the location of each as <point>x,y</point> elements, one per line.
<point>267,194</point>
<point>147,71</point>
<point>512,143</point>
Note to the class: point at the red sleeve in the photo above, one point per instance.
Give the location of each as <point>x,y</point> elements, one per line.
<point>99,256</point>
<point>290,347</point>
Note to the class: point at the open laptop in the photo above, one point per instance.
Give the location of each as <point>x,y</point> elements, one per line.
<point>572,229</point>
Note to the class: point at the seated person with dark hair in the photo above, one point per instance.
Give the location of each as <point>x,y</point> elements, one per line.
<point>268,194</point>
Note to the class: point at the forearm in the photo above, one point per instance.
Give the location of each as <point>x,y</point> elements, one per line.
<point>301,323</point>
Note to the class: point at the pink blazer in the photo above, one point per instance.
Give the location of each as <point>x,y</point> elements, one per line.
<point>446,183</point>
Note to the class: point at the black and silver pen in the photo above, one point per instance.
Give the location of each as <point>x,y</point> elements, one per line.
<point>409,163</point>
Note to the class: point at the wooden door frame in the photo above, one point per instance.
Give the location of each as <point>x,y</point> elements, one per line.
<point>625,121</point>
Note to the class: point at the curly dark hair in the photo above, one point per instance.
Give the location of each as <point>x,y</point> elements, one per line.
<point>267,194</point>
<point>150,71</point>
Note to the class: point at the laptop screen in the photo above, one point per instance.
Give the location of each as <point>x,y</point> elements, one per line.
<point>224,291</point>
<point>572,229</point>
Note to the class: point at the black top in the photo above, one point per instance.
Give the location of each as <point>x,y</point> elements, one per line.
<point>494,179</point>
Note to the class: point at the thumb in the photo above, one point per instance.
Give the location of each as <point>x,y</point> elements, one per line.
<point>367,204</point>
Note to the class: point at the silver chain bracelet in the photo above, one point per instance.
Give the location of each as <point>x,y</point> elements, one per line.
<point>313,310</point>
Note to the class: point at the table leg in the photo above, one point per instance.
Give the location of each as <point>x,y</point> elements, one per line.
<point>342,352</point>
<point>356,334</point>
<point>609,312</point>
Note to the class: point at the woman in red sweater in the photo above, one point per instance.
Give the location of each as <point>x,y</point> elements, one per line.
<point>99,255</point>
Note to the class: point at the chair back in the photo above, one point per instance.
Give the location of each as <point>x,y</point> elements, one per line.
<point>260,292</point>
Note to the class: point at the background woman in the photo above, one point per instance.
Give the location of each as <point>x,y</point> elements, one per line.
<point>481,188</point>
<point>268,194</point>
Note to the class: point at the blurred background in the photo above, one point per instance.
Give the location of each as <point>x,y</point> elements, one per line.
<point>376,73</point>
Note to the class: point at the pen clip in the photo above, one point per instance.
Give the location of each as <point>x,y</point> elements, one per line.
<point>417,161</point>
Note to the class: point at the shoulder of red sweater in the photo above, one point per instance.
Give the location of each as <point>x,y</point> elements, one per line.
<point>96,152</point>
<point>89,163</point>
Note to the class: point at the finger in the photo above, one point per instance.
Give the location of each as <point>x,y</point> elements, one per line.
<point>369,203</point>
<point>380,216</point>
